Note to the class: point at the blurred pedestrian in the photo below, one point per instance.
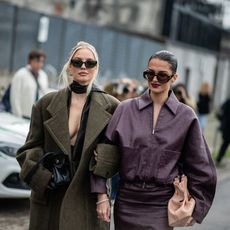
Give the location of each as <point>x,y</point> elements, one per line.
<point>183,96</point>
<point>127,88</point>
<point>70,122</point>
<point>203,104</point>
<point>122,89</point>
<point>29,84</point>
<point>224,117</point>
<point>111,88</point>
<point>155,134</point>
<point>5,103</point>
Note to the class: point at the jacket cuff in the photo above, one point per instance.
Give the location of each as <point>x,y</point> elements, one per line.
<point>98,184</point>
<point>198,213</point>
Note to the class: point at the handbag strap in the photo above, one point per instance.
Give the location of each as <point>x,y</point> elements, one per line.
<point>28,177</point>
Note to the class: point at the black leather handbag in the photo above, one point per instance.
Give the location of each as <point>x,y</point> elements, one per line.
<point>58,165</point>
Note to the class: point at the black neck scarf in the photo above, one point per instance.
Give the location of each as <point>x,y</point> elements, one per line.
<point>77,88</point>
<point>76,150</point>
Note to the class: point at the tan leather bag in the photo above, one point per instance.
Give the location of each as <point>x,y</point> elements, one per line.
<point>181,205</point>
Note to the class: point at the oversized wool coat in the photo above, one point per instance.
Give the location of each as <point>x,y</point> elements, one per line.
<point>73,207</point>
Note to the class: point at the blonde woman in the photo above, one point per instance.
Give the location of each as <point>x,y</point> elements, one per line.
<point>70,121</point>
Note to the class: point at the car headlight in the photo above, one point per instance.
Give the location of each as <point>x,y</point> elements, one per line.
<point>9,149</point>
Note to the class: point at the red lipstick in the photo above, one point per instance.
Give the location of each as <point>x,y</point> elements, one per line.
<point>155,85</point>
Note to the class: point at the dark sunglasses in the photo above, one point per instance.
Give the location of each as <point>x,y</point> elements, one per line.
<point>162,77</point>
<point>88,63</point>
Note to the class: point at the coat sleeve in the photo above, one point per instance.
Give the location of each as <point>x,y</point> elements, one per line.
<point>200,170</point>
<point>32,151</point>
<point>43,83</point>
<point>108,158</point>
<point>107,163</point>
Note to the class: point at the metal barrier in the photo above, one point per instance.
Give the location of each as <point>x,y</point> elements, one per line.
<point>120,53</point>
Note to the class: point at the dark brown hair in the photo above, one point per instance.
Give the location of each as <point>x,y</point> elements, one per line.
<point>165,55</point>
<point>36,55</point>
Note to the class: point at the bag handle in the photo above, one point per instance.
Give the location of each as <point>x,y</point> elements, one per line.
<point>28,177</point>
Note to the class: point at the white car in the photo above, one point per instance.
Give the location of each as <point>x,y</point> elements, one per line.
<point>13,132</point>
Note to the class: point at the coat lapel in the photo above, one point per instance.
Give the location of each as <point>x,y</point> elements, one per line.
<point>57,125</point>
<point>97,120</point>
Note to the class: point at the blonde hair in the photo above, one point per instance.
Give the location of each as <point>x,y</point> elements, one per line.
<point>65,78</point>
<point>205,88</point>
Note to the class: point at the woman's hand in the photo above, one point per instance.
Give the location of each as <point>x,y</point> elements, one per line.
<point>103,207</point>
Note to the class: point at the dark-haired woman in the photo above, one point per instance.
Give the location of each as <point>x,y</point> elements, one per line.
<point>182,95</point>
<point>155,134</point>
<point>71,122</point>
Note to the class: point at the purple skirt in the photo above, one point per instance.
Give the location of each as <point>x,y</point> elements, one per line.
<point>142,208</point>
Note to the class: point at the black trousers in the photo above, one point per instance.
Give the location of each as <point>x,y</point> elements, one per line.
<point>223,150</point>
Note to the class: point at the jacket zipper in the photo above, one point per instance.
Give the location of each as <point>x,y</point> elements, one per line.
<point>155,128</point>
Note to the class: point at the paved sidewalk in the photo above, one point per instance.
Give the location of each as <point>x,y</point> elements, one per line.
<point>213,137</point>
<point>223,172</point>
<point>212,134</point>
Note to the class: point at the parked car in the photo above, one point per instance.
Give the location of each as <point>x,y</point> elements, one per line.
<point>13,132</point>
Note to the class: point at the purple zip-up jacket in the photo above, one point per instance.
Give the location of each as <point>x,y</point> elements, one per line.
<point>152,155</point>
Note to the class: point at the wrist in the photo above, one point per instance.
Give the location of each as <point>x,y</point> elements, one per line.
<point>102,196</point>
<point>102,201</point>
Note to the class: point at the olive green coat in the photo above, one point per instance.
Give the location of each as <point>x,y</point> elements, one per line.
<point>73,208</point>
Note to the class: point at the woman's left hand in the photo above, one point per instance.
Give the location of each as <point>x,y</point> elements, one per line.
<point>103,207</point>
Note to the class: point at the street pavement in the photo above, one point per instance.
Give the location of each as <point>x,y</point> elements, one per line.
<point>218,217</point>
<point>14,214</point>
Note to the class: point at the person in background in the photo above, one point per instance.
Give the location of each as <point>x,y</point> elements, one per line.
<point>127,88</point>
<point>203,104</point>
<point>122,89</point>
<point>5,102</point>
<point>183,96</point>
<point>224,118</point>
<point>29,84</point>
<point>70,121</point>
<point>156,136</point>
<point>111,88</point>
